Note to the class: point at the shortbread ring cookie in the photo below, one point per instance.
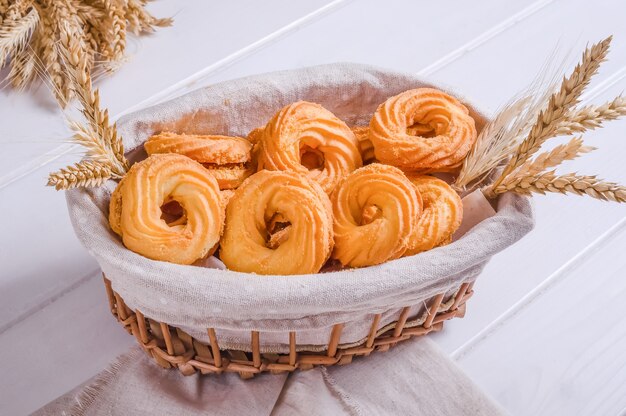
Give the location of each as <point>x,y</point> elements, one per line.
<point>365,144</point>
<point>212,149</point>
<point>135,209</point>
<point>376,209</point>
<point>277,222</point>
<point>441,217</point>
<point>449,131</point>
<point>306,138</point>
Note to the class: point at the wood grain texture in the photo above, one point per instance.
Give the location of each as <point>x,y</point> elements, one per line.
<point>398,42</point>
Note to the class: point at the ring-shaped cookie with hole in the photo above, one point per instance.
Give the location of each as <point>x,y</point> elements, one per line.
<point>277,222</point>
<point>423,129</point>
<point>306,138</point>
<point>376,209</point>
<point>135,209</point>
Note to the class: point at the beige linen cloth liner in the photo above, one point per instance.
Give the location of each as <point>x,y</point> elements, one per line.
<point>413,378</point>
<point>196,298</point>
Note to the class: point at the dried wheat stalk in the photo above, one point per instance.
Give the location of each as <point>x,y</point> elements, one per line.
<point>591,117</point>
<point>31,29</point>
<point>500,137</point>
<point>559,104</point>
<point>568,183</point>
<point>84,173</point>
<point>139,20</point>
<point>496,141</point>
<point>528,173</point>
<point>15,34</point>
<point>98,126</point>
<point>104,158</point>
<point>567,151</point>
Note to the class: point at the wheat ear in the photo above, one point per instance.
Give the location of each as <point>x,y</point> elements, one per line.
<point>84,173</point>
<point>559,104</point>
<point>16,9</point>
<point>546,160</point>
<point>140,21</point>
<point>106,142</point>
<point>116,15</point>
<point>499,138</point>
<point>100,25</point>
<point>570,183</point>
<point>15,34</point>
<point>105,151</point>
<point>591,117</point>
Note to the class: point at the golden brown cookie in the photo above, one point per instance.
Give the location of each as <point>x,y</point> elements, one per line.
<point>365,144</point>
<point>277,222</point>
<point>135,209</point>
<point>422,129</point>
<point>442,215</point>
<point>376,209</point>
<point>211,149</point>
<point>255,135</point>
<point>306,138</point>
<point>230,176</point>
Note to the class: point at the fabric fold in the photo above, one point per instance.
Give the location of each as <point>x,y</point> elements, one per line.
<point>414,377</point>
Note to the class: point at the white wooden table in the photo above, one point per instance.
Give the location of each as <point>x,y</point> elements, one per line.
<point>545,333</point>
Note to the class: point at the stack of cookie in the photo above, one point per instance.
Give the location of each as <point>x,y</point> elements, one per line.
<point>304,191</point>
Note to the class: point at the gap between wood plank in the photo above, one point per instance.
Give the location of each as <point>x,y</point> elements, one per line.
<point>484,37</point>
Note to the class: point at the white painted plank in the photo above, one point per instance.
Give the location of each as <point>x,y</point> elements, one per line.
<point>509,276</point>
<point>563,352</point>
<point>203,34</point>
<point>58,348</point>
<point>563,26</point>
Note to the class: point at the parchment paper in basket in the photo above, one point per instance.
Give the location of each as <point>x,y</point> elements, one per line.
<point>476,208</point>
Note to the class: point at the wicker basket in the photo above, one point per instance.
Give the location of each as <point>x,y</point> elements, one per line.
<point>171,347</point>
<point>214,320</point>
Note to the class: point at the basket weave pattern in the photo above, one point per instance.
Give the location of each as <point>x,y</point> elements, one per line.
<point>172,347</point>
